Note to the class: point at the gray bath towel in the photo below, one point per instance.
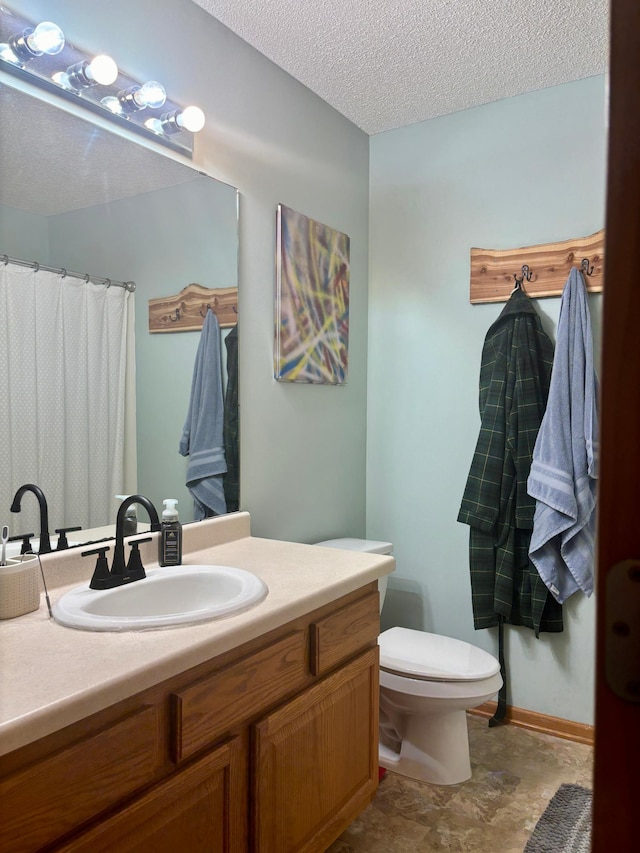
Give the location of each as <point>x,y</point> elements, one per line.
<point>202,439</point>
<point>565,458</point>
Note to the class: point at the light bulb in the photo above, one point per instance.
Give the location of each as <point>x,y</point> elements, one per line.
<point>102,70</point>
<point>151,95</point>
<point>47,37</point>
<point>136,98</point>
<point>191,118</point>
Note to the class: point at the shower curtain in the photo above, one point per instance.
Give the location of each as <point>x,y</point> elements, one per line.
<point>63,348</point>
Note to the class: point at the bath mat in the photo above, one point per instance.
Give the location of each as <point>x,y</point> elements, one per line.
<point>565,825</point>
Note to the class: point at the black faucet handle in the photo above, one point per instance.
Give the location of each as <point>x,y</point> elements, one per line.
<point>135,569</point>
<point>26,542</point>
<point>102,577</point>
<point>62,536</point>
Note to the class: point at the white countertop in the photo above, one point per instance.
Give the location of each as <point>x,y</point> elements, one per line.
<point>52,676</point>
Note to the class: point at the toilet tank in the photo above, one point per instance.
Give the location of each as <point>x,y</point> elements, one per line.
<point>368,546</point>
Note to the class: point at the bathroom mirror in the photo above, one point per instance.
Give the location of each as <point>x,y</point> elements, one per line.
<point>78,196</point>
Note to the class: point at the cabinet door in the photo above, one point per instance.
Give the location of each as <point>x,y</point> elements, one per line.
<point>201,808</point>
<point>316,761</point>
<point>50,798</point>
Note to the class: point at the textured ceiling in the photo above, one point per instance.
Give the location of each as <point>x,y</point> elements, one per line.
<point>388,63</point>
<point>51,162</point>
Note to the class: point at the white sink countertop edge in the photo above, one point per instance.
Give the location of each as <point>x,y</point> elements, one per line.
<point>53,676</point>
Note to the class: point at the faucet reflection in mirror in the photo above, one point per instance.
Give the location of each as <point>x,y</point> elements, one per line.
<point>45,542</point>
<point>40,53</point>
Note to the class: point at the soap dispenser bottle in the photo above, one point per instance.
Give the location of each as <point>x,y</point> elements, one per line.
<point>170,535</point>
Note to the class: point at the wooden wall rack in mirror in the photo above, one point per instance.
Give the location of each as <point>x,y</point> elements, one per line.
<point>186,311</point>
<point>493,270</point>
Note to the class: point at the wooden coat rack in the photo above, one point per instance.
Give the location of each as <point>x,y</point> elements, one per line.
<point>186,311</point>
<point>541,270</point>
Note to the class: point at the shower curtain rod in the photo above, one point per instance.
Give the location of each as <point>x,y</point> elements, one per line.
<point>93,279</point>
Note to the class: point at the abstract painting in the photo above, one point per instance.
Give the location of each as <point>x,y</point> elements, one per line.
<point>312,301</point>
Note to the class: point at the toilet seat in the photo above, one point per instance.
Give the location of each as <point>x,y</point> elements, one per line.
<point>432,657</point>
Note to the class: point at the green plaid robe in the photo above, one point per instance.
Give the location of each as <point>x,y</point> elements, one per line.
<point>514,384</point>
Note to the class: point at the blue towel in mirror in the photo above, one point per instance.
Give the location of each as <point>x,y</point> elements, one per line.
<point>202,434</point>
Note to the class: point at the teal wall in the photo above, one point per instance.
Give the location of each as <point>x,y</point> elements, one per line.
<point>23,235</point>
<point>518,172</point>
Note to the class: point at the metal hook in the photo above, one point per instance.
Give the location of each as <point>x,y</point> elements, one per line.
<point>5,259</point>
<point>206,307</point>
<point>177,317</point>
<point>585,266</point>
<point>63,273</point>
<point>87,278</point>
<point>107,281</point>
<point>36,266</point>
<point>526,276</point>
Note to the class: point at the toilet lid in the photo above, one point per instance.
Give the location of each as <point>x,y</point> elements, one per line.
<point>368,546</point>
<point>418,654</point>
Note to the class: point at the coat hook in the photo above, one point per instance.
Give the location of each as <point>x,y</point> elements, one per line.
<point>177,317</point>
<point>585,267</point>
<point>526,276</point>
<point>204,309</point>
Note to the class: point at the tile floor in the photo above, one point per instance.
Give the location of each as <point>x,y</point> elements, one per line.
<point>515,774</point>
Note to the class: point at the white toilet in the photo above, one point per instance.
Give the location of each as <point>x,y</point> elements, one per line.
<point>427,684</point>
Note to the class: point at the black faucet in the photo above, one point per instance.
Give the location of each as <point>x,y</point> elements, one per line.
<point>45,542</point>
<point>118,567</point>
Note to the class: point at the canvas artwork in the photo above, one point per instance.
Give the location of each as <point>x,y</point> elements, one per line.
<point>312,301</point>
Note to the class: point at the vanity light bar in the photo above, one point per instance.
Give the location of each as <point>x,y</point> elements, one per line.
<point>40,54</point>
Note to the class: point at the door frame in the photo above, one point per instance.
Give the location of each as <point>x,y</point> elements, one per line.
<point>617,740</point>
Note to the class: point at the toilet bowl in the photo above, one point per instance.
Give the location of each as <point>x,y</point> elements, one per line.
<point>427,684</point>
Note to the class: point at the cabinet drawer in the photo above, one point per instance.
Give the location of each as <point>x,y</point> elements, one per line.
<point>54,796</point>
<point>345,632</point>
<point>207,709</point>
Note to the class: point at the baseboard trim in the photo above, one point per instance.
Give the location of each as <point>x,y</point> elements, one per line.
<point>536,722</point>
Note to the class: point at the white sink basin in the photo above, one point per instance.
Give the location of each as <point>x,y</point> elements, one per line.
<point>179,595</point>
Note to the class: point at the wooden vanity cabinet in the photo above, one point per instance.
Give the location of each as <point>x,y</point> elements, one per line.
<point>268,748</point>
